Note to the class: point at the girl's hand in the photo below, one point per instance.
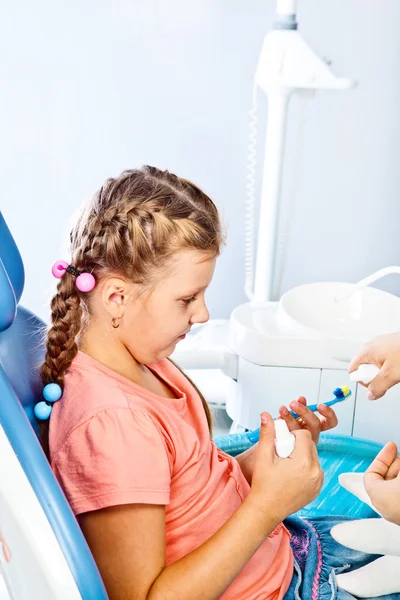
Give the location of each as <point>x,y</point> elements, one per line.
<point>281,486</point>
<point>309,420</point>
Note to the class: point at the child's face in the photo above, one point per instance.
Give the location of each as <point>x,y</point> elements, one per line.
<point>154,323</point>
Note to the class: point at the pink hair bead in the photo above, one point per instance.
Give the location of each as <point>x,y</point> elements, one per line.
<point>85,282</point>
<point>59,268</point>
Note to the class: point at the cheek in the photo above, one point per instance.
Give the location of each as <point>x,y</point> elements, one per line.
<point>161,322</point>
<point>165,324</point>
<point>174,324</point>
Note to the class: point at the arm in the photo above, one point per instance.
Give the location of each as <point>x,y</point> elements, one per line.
<point>128,544</point>
<point>128,541</point>
<point>246,462</point>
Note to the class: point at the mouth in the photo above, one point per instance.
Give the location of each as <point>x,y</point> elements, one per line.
<point>182,337</point>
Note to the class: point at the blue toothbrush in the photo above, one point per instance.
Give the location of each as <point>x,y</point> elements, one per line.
<point>340,393</point>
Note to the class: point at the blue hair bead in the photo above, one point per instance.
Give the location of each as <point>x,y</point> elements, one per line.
<point>42,411</point>
<point>52,392</point>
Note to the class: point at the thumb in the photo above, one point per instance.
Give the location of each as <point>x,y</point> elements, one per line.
<point>380,466</point>
<point>266,444</point>
<point>381,383</point>
<point>359,359</point>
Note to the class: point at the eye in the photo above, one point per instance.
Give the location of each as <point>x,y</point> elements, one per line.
<point>189,300</point>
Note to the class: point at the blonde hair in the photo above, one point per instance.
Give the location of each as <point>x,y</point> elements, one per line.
<point>133,225</point>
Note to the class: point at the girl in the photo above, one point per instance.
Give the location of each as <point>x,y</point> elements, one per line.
<point>167,515</point>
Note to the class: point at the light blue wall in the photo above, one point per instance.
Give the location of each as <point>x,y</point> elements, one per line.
<point>90,88</point>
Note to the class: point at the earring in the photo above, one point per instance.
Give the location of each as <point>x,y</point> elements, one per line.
<point>114,323</point>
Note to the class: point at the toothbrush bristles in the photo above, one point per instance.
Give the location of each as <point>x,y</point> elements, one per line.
<point>341,392</point>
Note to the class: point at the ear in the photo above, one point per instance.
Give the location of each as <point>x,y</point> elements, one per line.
<point>115,295</point>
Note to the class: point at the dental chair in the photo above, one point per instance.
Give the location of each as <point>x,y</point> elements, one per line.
<point>43,553</point>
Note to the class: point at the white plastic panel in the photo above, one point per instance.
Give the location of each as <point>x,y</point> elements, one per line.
<point>267,388</point>
<point>378,420</point>
<point>32,562</point>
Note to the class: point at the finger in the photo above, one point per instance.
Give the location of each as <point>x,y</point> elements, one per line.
<point>304,444</point>
<point>291,422</point>
<point>309,418</point>
<point>284,412</point>
<point>359,359</point>
<point>329,417</point>
<point>266,443</point>
<point>394,469</point>
<point>385,379</point>
<point>379,467</point>
<point>302,400</point>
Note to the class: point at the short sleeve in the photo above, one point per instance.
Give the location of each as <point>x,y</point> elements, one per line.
<point>118,456</point>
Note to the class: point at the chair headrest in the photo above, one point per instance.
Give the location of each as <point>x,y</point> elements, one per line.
<point>12,276</point>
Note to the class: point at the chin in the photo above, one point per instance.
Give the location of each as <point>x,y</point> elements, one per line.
<point>168,351</point>
<point>165,353</point>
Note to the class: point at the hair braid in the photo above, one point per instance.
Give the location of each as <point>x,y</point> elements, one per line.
<point>66,322</point>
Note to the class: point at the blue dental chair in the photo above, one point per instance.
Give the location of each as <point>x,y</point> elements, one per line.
<point>43,553</point>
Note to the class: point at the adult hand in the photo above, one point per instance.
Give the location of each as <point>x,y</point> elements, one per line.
<point>384,352</point>
<point>382,483</point>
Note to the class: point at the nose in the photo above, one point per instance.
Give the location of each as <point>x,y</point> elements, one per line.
<point>201,315</point>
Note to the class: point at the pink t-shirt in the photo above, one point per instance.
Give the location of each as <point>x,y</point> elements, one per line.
<point>113,442</point>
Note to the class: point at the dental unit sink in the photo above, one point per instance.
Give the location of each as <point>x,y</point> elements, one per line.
<point>342,317</point>
<point>309,327</point>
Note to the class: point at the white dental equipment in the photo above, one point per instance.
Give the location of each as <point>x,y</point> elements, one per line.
<point>270,357</point>
<point>368,280</point>
<point>286,65</point>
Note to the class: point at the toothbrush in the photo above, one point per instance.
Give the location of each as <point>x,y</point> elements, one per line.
<point>340,393</point>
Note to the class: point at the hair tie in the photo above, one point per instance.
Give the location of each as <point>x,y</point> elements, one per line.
<point>51,393</point>
<point>85,282</point>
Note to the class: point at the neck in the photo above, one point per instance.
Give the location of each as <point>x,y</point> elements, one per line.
<point>112,353</point>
